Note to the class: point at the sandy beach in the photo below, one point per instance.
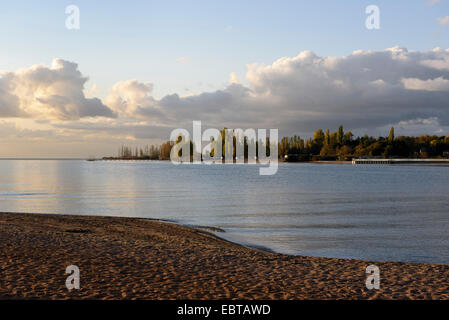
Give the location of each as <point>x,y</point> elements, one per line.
<point>128,258</point>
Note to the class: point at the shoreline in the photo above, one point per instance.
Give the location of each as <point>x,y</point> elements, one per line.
<point>140,258</point>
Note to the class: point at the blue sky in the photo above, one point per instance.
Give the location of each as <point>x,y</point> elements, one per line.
<point>143,39</point>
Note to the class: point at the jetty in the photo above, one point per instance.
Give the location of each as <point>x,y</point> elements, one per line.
<point>386,161</point>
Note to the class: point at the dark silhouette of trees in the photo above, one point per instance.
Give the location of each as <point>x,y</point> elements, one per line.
<point>341,145</point>
<point>324,145</point>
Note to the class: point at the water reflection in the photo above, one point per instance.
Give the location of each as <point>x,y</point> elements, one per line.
<point>378,213</point>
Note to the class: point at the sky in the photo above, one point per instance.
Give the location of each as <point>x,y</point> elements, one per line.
<point>137,69</point>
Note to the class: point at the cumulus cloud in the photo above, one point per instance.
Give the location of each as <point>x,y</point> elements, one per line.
<point>366,89</point>
<point>443,21</point>
<point>234,78</point>
<point>43,92</point>
<point>9,104</point>
<point>130,97</point>
<point>438,84</point>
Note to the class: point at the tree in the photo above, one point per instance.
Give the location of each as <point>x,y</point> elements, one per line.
<point>165,151</point>
<point>318,137</point>
<point>154,153</point>
<point>317,141</point>
<point>284,147</point>
<point>340,135</point>
<point>327,150</point>
<point>343,152</point>
<point>347,137</point>
<point>388,152</point>
<point>391,135</point>
<point>333,140</point>
<point>376,149</point>
<point>327,137</point>
<point>325,144</point>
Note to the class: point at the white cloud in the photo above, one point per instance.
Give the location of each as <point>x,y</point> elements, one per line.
<point>43,92</point>
<point>439,59</point>
<point>183,60</point>
<point>234,78</point>
<point>443,21</point>
<point>365,91</point>
<point>433,2</point>
<point>93,91</point>
<point>9,103</point>
<point>438,84</point>
<point>127,97</point>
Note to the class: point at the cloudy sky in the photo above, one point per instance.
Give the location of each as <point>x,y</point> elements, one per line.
<point>137,69</point>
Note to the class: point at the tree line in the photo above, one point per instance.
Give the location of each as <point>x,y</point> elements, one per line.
<point>341,145</point>
<point>149,152</point>
<point>323,145</point>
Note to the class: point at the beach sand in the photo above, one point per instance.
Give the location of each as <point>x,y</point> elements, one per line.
<point>127,258</point>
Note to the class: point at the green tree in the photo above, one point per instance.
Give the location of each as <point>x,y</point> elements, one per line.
<point>327,150</point>
<point>348,137</point>
<point>317,141</point>
<point>327,137</point>
<point>388,152</point>
<point>318,136</point>
<point>340,135</point>
<point>391,135</point>
<point>344,152</point>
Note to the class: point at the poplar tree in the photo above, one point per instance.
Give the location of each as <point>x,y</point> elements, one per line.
<point>391,135</point>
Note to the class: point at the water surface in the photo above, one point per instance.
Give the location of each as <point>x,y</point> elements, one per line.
<point>395,213</point>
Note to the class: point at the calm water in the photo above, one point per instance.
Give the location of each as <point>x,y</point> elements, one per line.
<point>366,212</point>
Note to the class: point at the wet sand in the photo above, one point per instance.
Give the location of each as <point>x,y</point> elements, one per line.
<point>128,258</point>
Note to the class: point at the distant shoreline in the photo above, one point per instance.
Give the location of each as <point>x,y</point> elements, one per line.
<point>42,158</point>
<point>131,258</point>
<point>423,163</point>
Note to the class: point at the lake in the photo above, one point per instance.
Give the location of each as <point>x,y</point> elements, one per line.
<point>398,213</point>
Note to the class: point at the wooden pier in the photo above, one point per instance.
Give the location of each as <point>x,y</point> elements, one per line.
<point>399,161</point>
